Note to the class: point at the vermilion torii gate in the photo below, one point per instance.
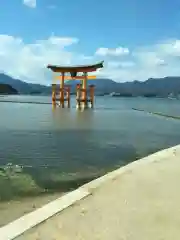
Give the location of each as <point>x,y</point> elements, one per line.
<point>82,97</point>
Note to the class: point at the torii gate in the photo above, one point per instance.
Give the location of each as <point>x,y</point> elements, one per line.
<point>81,90</point>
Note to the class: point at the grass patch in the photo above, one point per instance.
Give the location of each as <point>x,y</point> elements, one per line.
<point>17,185</point>
<point>16,182</point>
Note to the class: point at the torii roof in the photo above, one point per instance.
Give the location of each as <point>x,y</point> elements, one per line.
<point>81,68</point>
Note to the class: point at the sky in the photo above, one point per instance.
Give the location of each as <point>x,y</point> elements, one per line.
<point>137,39</point>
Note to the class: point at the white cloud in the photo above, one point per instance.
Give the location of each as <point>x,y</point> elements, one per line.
<point>116,64</point>
<point>149,58</point>
<point>159,60</point>
<point>60,42</point>
<point>170,48</point>
<point>28,61</point>
<point>120,51</point>
<point>30,3</point>
<point>52,7</point>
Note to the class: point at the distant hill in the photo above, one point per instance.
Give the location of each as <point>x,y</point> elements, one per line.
<point>101,85</point>
<point>7,89</point>
<point>23,87</point>
<point>151,87</point>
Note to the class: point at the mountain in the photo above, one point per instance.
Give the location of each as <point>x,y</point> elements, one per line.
<point>101,85</point>
<point>151,87</point>
<point>19,85</point>
<point>23,87</point>
<point>7,89</point>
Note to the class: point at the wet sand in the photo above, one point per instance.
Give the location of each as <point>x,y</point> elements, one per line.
<point>11,210</point>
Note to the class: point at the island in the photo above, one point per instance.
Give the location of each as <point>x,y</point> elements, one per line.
<point>6,89</point>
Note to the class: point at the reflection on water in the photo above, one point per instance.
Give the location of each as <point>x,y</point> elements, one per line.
<point>72,119</point>
<point>109,136</point>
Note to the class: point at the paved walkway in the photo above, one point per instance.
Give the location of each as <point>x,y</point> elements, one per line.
<point>143,203</point>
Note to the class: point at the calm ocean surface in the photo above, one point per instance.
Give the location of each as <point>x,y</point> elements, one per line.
<point>109,136</point>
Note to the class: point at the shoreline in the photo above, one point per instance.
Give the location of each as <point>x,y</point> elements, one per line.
<point>19,183</point>
<point>85,192</point>
<point>20,193</point>
<point>15,208</point>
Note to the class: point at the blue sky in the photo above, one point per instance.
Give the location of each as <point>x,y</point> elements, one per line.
<point>137,39</point>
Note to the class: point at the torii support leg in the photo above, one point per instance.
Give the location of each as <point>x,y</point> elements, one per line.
<point>54,94</point>
<point>62,91</point>
<point>78,96</point>
<point>68,96</point>
<point>92,95</point>
<point>84,92</point>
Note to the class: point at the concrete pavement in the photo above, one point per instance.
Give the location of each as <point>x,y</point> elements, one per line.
<point>139,202</point>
